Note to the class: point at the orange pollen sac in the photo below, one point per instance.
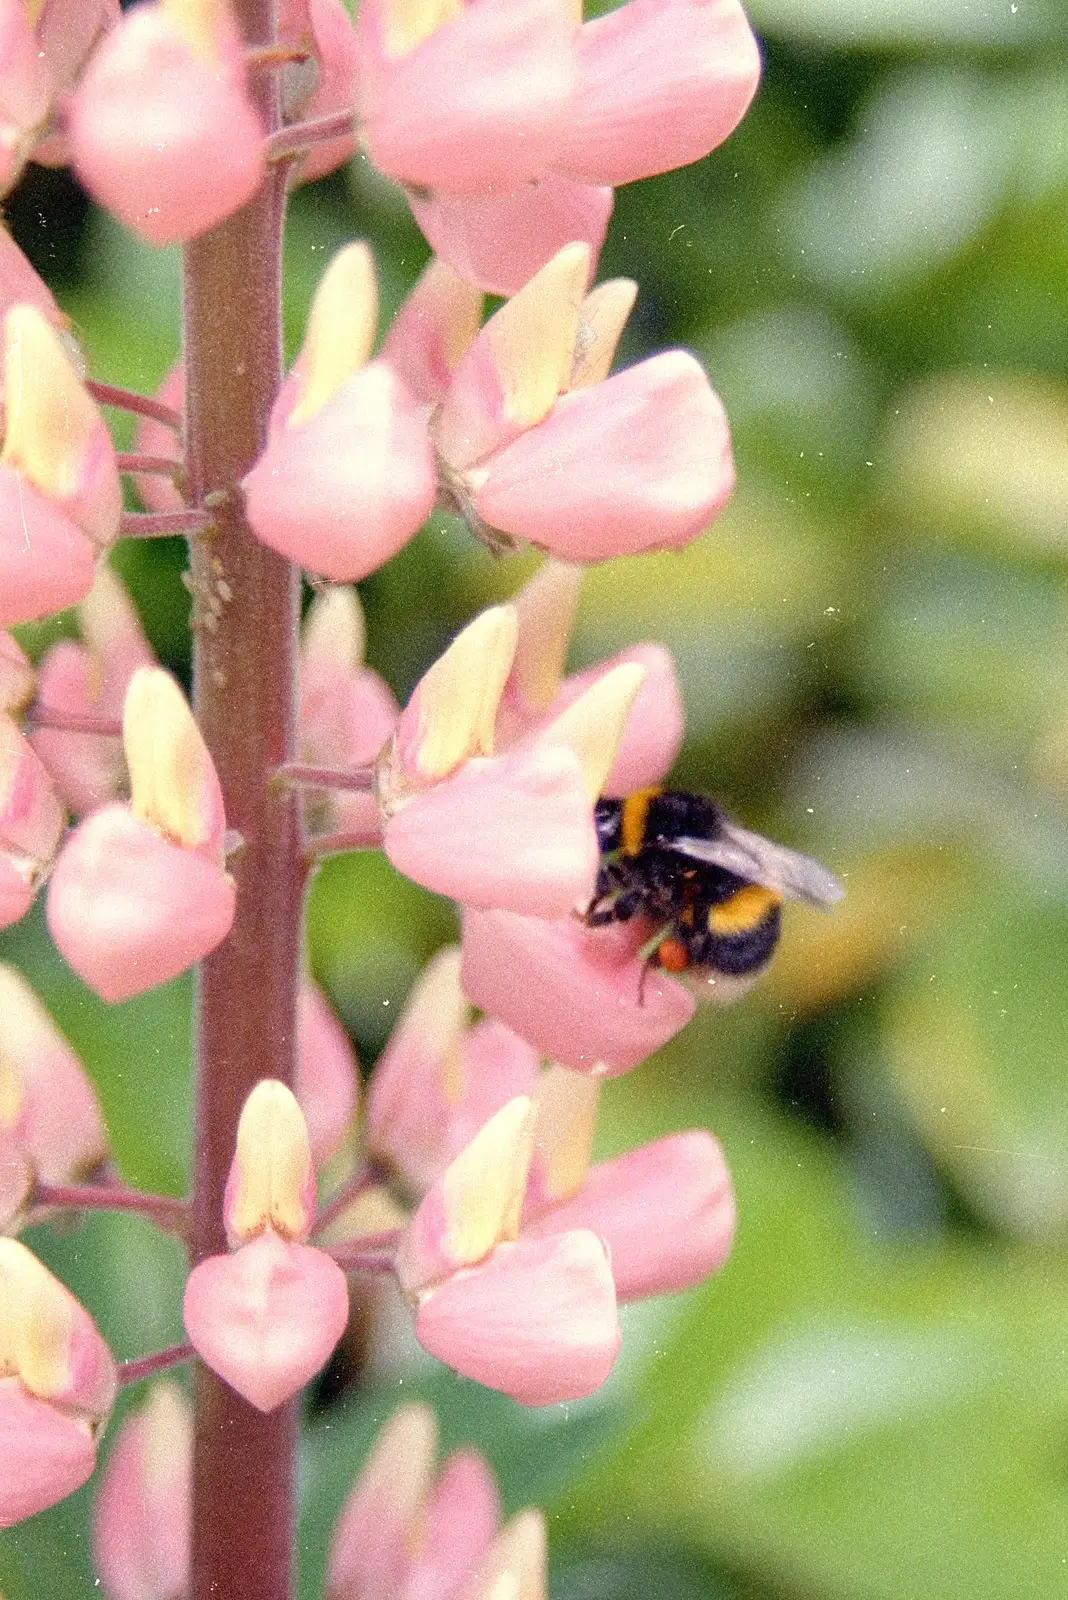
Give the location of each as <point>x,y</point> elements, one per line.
<point>673,955</point>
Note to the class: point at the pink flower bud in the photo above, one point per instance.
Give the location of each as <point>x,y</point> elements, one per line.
<point>515,1564</point>
<point>46,1100</point>
<point>91,679</point>
<point>17,676</point>
<point>470,104</point>
<point>500,240</point>
<point>369,1555</point>
<point>157,492</point>
<point>323,85</point>
<point>641,461</point>
<point>580,996</point>
<point>143,1507</point>
<point>666,1212</point>
<point>31,816</point>
<point>162,129</point>
<point>660,84</point>
<point>266,1318</point>
<point>271,1184</point>
<point>536,1320</point>
<point>475,1204</point>
<point>435,325</point>
<point>327,1083</point>
<point>461,1517</point>
<point>348,473</point>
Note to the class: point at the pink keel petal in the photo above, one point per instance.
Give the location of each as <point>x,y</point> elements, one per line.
<point>509,832</point>
<point>44,1455</point>
<point>46,561</point>
<point>499,241</point>
<point>267,1317</point>
<point>661,83</point>
<point>491,86</point>
<point>128,910</point>
<point>343,492</point>
<point>459,1524</point>
<point>665,1211</point>
<point>574,993</point>
<point>167,141</point>
<point>640,462</point>
<point>537,1320</point>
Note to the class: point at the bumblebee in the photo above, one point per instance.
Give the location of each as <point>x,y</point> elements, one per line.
<point>713,890</point>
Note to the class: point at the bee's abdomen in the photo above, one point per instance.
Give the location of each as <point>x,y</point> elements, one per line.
<point>748,945</point>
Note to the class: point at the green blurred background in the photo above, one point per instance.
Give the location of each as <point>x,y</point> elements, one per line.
<point>871,1401</point>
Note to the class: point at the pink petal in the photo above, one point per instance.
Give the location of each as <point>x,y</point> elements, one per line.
<point>654,729</point>
<point>266,1318</point>
<point>641,461</point>
<point>575,993</point>
<point>165,139</point>
<point>433,327</point>
<point>499,241</point>
<point>327,1076</point>
<point>661,83</point>
<point>510,832</point>
<point>143,1507</point>
<point>31,817</point>
<point>46,561</point>
<point>666,1212</point>
<point>495,1065</point>
<point>477,105</point>
<point>343,492</point>
<point>537,1319</point>
<point>458,1527</point>
<point>19,283</point>
<point>370,1552</point>
<point>45,1454</point>
<point>87,769</point>
<point>128,910</point>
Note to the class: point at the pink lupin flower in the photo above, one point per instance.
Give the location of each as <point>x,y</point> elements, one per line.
<point>327,1080</point>
<point>47,1103</point>
<point>407,1531</point>
<point>666,1212</point>
<point>31,821</point>
<point>535,1318</point>
<point>512,830</point>
<point>60,499</point>
<point>322,85</point>
<point>581,996</point>
<point>660,84</point>
<point>140,892</point>
<point>266,1317</point>
<point>346,711</point>
<point>467,98</point>
<point>348,473</point>
<point>57,1386</point>
<point>544,445</point>
<point>436,324</point>
<point>516,1563</point>
<point>500,240</point>
<point>154,438</point>
<point>143,1506</point>
<point>163,132</point>
<point>25,91</point>
<point>91,679</point>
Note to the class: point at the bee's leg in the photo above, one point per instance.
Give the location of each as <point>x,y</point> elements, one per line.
<point>599,916</point>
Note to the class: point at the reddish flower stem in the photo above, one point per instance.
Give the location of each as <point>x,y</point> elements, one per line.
<point>336,844</point>
<point>142,405</point>
<point>160,1361</point>
<point>297,775</point>
<point>164,1210</point>
<point>244,1463</point>
<point>132,462</point>
<point>39,716</point>
<point>165,524</point>
<point>291,141</point>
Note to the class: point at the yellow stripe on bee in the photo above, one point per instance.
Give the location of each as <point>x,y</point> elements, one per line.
<point>744,911</point>
<point>633,819</point>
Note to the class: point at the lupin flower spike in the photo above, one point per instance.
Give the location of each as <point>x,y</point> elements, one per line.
<point>59,485</point>
<point>348,473</point>
<point>162,129</point>
<point>140,892</point>
<point>57,1386</point>
<point>267,1316</point>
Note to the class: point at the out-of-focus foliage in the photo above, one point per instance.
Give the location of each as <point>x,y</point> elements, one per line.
<point>871,1402</point>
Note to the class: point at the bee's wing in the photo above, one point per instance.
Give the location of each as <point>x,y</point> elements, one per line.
<point>751,856</point>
